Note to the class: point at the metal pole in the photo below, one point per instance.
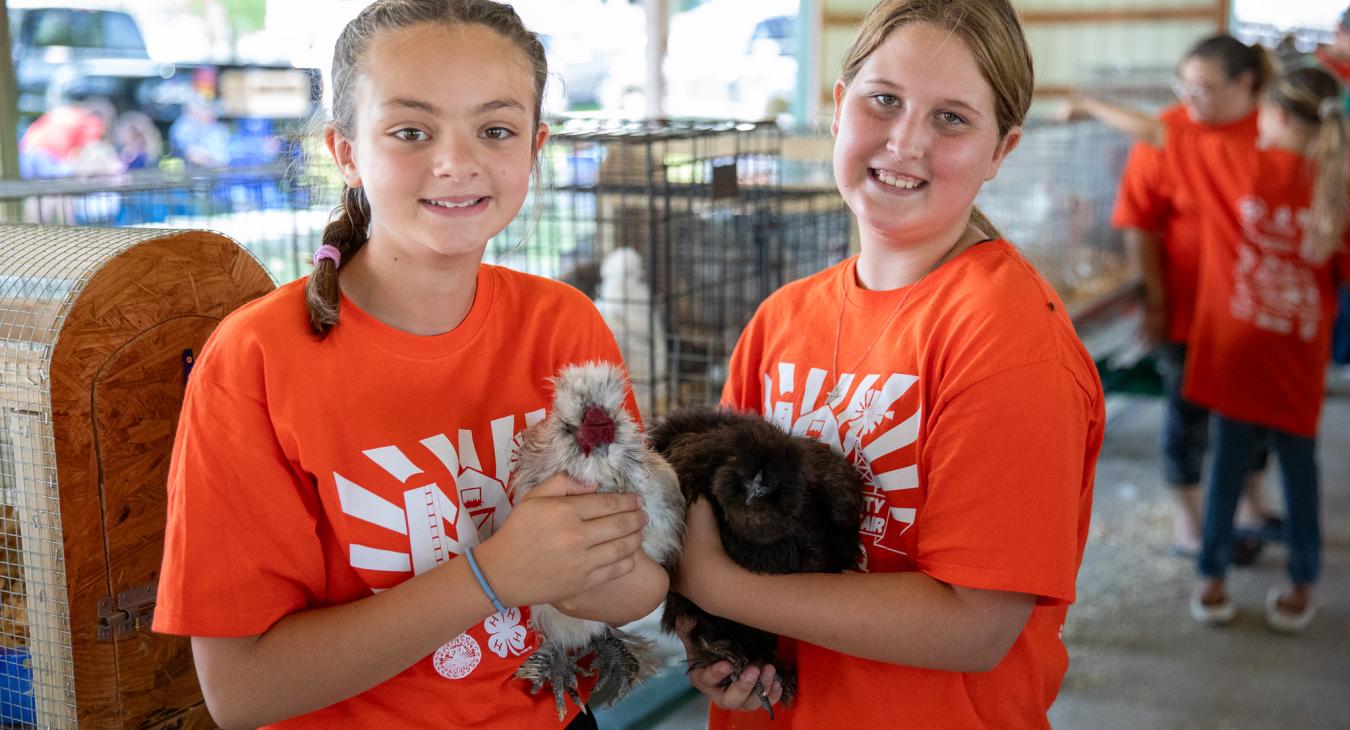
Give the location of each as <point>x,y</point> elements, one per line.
<point>810,22</point>
<point>9,105</point>
<point>658,28</point>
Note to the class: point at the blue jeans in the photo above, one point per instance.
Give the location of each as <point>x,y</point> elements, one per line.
<point>1185,425</point>
<point>1236,445</point>
<point>1185,433</point>
<point>1340,333</point>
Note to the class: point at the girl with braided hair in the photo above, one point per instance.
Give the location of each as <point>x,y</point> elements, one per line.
<point>338,508</point>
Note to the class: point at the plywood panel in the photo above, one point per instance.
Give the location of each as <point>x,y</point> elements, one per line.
<point>146,305</point>
<point>137,397</point>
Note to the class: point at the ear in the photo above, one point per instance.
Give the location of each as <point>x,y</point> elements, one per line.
<point>1247,80</point>
<point>839,90</point>
<point>540,137</point>
<point>344,155</point>
<point>1005,146</point>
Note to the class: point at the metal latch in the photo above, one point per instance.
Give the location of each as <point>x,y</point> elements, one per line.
<point>129,612</point>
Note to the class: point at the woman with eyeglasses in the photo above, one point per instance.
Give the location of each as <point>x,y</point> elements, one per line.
<point>1218,83</point>
<point>1274,249</point>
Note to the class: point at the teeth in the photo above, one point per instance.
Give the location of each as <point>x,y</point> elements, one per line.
<point>465,204</point>
<point>895,182</point>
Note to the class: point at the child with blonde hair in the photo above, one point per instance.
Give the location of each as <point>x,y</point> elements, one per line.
<point>945,367</point>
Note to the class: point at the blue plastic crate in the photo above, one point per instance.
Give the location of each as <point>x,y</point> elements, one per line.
<point>16,688</point>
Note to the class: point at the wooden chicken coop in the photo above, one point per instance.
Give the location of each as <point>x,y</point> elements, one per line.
<point>98,332</point>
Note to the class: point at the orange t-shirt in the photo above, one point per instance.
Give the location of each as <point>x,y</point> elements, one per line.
<point>310,473</point>
<point>1338,67</point>
<point>1262,333</point>
<point>1147,200</point>
<point>976,420</point>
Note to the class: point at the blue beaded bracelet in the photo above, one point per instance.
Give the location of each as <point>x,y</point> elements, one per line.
<point>482,581</point>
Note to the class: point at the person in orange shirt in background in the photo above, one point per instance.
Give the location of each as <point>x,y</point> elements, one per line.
<point>340,546</point>
<point>945,367</point>
<point>1335,58</point>
<point>1274,251</point>
<point>1219,83</point>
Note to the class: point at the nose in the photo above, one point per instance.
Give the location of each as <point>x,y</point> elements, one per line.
<point>908,138</point>
<point>455,158</point>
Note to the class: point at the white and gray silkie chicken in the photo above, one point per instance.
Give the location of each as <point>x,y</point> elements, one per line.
<point>625,301</point>
<point>592,438</point>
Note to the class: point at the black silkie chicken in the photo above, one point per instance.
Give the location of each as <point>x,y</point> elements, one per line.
<point>590,436</point>
<point>783,503</point>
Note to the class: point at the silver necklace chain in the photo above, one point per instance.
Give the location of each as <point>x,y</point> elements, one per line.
<point>839,329</point>
<point>835,392</point>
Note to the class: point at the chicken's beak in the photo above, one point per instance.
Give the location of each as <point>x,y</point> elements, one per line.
<point>756,488</point>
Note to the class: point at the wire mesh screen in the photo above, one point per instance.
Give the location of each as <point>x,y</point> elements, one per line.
<point>1053,198</point>
<point>677,230</point>
<point>40,276</point>
<point>276,211</point>
<point>97,326</point>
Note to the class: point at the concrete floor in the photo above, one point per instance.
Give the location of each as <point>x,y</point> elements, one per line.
<point>1137,659</point>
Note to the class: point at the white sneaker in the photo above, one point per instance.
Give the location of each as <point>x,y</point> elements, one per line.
<point>1213,614</point>
<point>1287,622</point>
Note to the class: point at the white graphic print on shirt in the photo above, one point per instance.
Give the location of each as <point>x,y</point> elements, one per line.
<point>865,430</point>
<point>439,526</point>
<point>1274,288</point>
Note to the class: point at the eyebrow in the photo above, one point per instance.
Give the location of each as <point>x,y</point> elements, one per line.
<point>948,102</point>
<point>429,108</point>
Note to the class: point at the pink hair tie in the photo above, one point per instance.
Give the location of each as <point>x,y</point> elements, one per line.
<point>329,252</point>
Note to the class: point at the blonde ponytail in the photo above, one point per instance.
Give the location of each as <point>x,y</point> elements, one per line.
<point>1326,226</point>
<point>1313,97</point>
<point>982,222</point>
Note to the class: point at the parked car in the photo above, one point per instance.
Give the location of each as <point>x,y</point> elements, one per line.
<point>44,40</point>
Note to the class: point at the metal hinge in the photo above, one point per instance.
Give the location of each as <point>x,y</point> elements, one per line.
<point>130,611</point>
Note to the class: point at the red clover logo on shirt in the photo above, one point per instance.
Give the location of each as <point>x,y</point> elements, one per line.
<point>865,427</point>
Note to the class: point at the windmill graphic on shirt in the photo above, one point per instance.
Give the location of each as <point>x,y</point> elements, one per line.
<point>864,425</point>
<point>438,526</point>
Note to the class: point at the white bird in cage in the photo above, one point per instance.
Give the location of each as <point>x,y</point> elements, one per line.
<point>590,436</point>
<point>625,301</point>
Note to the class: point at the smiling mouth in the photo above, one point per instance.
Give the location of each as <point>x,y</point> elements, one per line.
<point>899,182</point>
<point>457,204</point>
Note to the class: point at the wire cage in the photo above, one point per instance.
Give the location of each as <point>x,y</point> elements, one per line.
<point>677,230</point>
<point>1053,199</point>
<point>98,330</point>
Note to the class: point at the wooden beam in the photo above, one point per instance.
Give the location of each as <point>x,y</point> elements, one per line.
<point>1122,15</point>
<point>1055,90</point>
<point>1218,12</point>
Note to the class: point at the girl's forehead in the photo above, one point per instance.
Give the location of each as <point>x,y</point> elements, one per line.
<point>921,58</point>
<point>433,59</point>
